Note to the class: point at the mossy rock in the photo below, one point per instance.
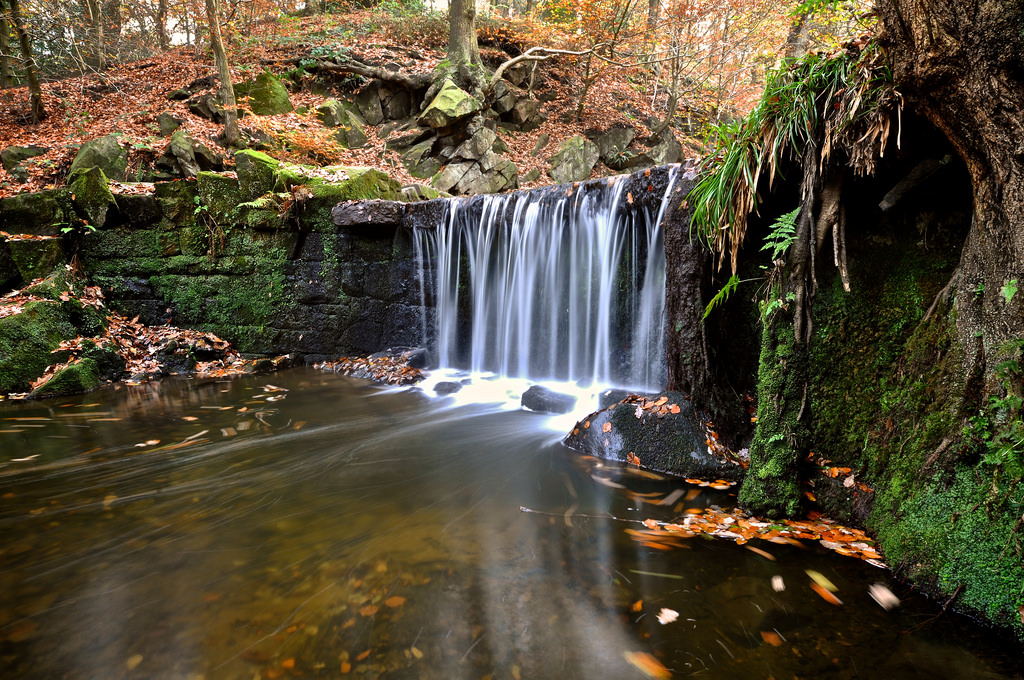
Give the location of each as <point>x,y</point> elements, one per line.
<point>362,184</point>
<point>264,96</point>
<point>105,153</point>
<point>26,340</point>
<point>450,105</point>
<point>257,173</point>
<point>75,378</point>
<point>36,258</point>
<point>177,202</point>
<point>42,213</point>
<point>12,156</point>
<point>220,195</point>
<point>574,161</point>
<point>91,195</point>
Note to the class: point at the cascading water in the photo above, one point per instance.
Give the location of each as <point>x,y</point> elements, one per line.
<point>550,285</point>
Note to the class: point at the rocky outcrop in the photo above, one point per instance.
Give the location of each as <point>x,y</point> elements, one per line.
<point>264,96</point>
<point>105,153</point>
<point>662,432</point>
<point>574,161</point>
<point>450,105</point>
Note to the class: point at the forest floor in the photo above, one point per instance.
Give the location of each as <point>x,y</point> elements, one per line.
<point>127,98</point>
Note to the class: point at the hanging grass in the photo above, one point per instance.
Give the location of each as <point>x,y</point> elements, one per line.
<point>843,104</point>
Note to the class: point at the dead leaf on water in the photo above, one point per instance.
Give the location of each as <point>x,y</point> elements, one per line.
<point>772,638</point>
<point>133,661</point>
<point>395,601</point>
<point>825,594</point>
<point>887,599</point>
<point>778,584</point>
<point>648,665</point>
<point>820,579</point>
<point>667,616</point>
<point>369,610</point>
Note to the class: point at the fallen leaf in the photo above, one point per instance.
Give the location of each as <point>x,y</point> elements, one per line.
<point>778,584</point>
<point>365,654</point>
<point>887,599</point>
<point>667,616</point>
<point>648,665</point>
<point>288,663</point>
<point>416,652</point>
<point>133,661</point>
<point>763,553</point>
<point>820,579</point>
<point>825,594</point>
<point>369,610</point>
<point>346,668</point>
<point>772,638</point>
<point>395,601</point>
<point>637,606</point>
<point>607,427</point>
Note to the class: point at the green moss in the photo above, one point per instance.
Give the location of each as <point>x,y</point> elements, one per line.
<point>177,202</point>
<point>36,258</point>
<point>771,487</point>
<point>26,340</point>
<point>256,173</point>
<point>91,195</point>
<point>219,196</point>
<point>78,377</point>
<point>264,96</point>
<point>43,212</point>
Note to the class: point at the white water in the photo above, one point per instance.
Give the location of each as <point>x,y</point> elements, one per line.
<point>548,287</point>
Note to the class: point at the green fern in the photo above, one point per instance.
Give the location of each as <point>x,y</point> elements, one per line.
<point>723,295</point>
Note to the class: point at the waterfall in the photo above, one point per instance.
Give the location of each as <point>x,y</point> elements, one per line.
<point>559,284</point>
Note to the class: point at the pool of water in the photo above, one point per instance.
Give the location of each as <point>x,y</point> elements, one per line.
<point>309,525</point>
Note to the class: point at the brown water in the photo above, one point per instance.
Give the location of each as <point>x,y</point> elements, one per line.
<point>334,529</point>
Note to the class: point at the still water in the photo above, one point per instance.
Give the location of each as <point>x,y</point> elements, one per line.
<point>309,525</point>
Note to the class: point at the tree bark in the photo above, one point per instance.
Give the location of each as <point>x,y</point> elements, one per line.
<point>6,68</point>
<point>161,26</point>
<point>34,89</point>
<point>961,65</point>
<point>462,44</point>
<point>94,10</point>
<point>227,91</point>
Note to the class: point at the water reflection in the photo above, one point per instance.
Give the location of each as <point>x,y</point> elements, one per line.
<point>320,527</point>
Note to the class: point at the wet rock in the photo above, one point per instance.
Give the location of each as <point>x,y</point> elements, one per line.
<point>574,161</point>
<point>418,358</point>
<point>544,400</point>
<point>666,435</point>
<point>264,96</point>
<point>372,212</point>
<point>105,153</point>
<point>447,387</point>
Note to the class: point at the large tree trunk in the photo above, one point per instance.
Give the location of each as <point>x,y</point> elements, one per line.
<point>6,60</point>
<point>961,64</point>
<point>227,91</point>
<point>462,45</point>
<point>34,89</point>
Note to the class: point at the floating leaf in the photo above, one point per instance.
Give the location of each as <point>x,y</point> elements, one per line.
<point>637,606</point>
<point>885,597</point>
<point>667,616</point>
<point>820,579</point>
<point>825,594</point>
<point>395,601</point>
<point>369,610</point>
<point>778,584</point>
<point>362,657</point>
<point>647,665</point>
<point>772,638</point>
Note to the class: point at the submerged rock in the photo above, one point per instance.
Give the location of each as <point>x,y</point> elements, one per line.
<point>665,434</point>
<point>544,400</point>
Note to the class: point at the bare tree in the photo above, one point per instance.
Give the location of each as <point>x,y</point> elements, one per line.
<point>29,64</point>
<point>227,91</point>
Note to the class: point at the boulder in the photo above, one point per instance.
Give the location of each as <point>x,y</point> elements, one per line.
<point>206,158</point>
<point>179,158</point>
<point>542,141</point>
<point>91,195</point>
<point>42,212</point>
<point>490,174</point>
<point>667,150</point>
<point>480,143</point>
<point>574,161</point>
<point>446,387</point>
<point>350,126</point>
<point>368,103</point>
<point>220,195</point>
<point>612,145</point>
<point>26,340</point>
<point>526,115</point>
<point>532,175</point>
<point>504,98</point>
<point>105,153</point>
<point>371,212</point>
<point>257,173</point>
<point>517,74</point>
<point>450,105</point>
<point>418,161</point>
<point>264,96</point>
<point>395,104</point>
<point>168,123</point>
<point>664,433</point>
<point>80,376</point>
<point>13,156</point>
<point>544,400</point>
<point>412,193</point>
<point>207,106</point>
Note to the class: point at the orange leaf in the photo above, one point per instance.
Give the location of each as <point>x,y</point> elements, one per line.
<point>638,606</point>
<point>395,601</point>
<point>825,595</point>
<point>771,637</point>
<point>607,427</point>
<point>369,610</point>
<point>648,665</point>
<point>346,667</point>
<point>365,654</point>
<point>288,663</point>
